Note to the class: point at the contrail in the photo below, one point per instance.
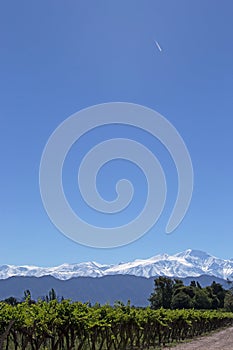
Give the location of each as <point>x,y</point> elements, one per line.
<point>158,46</point>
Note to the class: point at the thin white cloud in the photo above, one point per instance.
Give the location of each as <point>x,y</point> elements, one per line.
<point>158,46</point>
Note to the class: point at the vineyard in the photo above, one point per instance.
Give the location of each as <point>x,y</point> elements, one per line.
<point>66,325</point>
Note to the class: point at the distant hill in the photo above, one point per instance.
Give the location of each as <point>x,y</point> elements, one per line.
<point>106,289</point>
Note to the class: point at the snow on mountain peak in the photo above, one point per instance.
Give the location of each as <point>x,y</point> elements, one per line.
<point>193,253</point>
<point>188,263</point>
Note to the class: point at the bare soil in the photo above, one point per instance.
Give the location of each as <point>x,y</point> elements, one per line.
<point>222,340</point>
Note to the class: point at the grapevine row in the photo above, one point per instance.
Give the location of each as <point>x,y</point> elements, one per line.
<point>67,325</point>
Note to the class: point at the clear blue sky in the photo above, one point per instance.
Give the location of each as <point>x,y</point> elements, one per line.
<point>57,57</point>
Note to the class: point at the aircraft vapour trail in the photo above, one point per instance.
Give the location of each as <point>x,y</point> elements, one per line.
<point>158,46</point>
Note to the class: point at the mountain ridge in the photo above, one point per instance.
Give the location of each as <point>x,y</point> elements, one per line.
<point>189,263</point>
<point>106,289</point>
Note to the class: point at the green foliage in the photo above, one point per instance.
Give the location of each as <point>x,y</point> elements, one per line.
<point>162,297</point>
<point>228,301</point>
<point>169,293</point>
<point>65,325</point>
<point>11,301</point>
<point>201,300</point>
<point>219,292</point>
<point>27,295</point>
<point>181,301</point>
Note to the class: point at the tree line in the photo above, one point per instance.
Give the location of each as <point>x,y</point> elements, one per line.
<point>173,294</point>
<point>169,294</point>
<point>52,295</point>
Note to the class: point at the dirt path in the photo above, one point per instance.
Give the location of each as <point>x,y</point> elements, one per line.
<point>222,340</point>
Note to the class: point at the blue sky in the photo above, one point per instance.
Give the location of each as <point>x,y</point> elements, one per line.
<point>58,57</point>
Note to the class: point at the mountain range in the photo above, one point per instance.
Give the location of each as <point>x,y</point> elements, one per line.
<point>106,289</point>
<point>190,263</point>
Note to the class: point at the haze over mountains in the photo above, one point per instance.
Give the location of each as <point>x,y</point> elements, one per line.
<point>190,263</point>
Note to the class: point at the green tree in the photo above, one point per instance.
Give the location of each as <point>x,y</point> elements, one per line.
<point>27,295</point>
<point>11,301</point>
<point>52,296</point>
<point>219,292</point>
<point>193,284</point>
<point>181,301</point>
<point>201,300</point>
<point>163,292</point>
<point>190,291</point>
<point>228,301</point>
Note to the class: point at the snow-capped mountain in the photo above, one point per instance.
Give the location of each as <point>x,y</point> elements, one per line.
<point>185,264</point>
